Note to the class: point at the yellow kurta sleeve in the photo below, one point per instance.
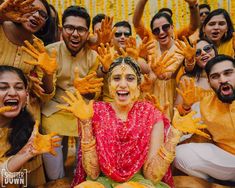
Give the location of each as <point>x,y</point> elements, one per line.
<point>4,145</point>
<point>142,31</point>
<point>185,31</point>
<point>226,48</point>
<point>219,116</point>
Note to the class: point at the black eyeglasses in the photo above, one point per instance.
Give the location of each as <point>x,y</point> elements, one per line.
<point>165,28</point>
<point>208,48</point>
<point>206,13</point>
<point>119,34</point>
<point>42,14</point>
<point>70,29</point>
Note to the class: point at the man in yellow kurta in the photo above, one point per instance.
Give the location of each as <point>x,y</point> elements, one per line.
<point>71,52</point>
<point>217,159</point>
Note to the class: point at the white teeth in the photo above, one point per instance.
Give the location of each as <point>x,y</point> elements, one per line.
<point>163,37</point>
<point>75,42</point>
<point>12,100</point>
<point>122,92</point>
<point>34,22</point>
<point>204,58</point>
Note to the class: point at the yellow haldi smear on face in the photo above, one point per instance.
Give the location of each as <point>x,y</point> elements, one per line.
<point>123,68</point>
<point>123,85</point>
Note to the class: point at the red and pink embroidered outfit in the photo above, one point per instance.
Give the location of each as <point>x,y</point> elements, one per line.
<point>122,147</point>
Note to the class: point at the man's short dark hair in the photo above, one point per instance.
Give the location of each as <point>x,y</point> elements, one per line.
<point>97,19</point>
<point>217,59</point>
<point>166,10</point>
<point>201,6</point>
<point>123,24</point>
<point>76,11</point>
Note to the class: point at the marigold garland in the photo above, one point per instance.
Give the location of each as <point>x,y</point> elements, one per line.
<point>124,9</point>
<point>126,17</point>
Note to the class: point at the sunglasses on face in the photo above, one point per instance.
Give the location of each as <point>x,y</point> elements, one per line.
<point>206,13</point>
<point>208,48</point>
<point>164,27</point>
<point>119,34</point>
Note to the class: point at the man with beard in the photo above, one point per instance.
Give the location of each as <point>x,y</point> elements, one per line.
<point>214,160</point>
<point>72,53</point>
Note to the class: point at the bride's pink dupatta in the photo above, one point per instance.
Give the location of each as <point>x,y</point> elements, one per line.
<point>122,147</point>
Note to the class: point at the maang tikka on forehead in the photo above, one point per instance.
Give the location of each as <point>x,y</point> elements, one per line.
<point>123,67</point>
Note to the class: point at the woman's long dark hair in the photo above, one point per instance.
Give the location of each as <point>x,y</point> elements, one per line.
<point>22,125</point>
<point>47,32</point>
<point>197,71</point>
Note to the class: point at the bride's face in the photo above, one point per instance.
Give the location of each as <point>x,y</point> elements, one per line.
<point>123,85</point>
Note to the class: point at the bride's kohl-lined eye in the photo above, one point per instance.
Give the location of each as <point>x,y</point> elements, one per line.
<point>116,77</point>
<point>130,78</point>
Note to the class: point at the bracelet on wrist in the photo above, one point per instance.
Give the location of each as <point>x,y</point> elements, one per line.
<point>102,70</point>
<point>182,110</point>
<point>5,171</point>
<point>186,108</point>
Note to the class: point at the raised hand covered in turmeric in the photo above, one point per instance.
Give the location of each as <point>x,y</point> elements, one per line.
<point>131,48</point>
<point>77,106</point>
<point>106,31</point>
<point>88,84</point>
<point>147,48</point>
<point>156,103</point>
<point>44,61</point>
<point>39,144</point>
<point>188,51</point>
<point>161,65</point>
<point>17,11</point>
<point>188,124</point>
<point>105,56</point>
<point>189,92</point>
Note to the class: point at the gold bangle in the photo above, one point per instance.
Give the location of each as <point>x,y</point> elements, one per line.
<point>88,146</point>
<point>85,123</point>
<point>166,155</point>
<point>182,110</point>
<point>7,173</point>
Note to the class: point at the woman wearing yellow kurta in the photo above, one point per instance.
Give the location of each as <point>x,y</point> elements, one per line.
<point>205,51</point>
<point>162,31</point>
<point>18,23</point>
<point>218,27</point>
<point>19,150</point>
<point>197,81</point>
